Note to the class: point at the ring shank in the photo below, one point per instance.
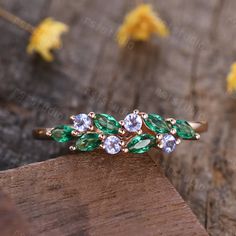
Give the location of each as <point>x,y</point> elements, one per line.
<point>41,133</point>
<point>199,127</point>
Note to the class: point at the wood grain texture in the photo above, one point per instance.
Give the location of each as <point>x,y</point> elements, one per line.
<point>182,77</point>
<point>93,194</point>
<point>11,222</point>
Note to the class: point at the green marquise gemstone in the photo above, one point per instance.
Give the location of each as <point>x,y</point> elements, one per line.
<point>62,133</point>
<point>107,124</point>
<point>141,143</point>
<point>157,124</point>
<point>88,142</point>
<point>184,130</point>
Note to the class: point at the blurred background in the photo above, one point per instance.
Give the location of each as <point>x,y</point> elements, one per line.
<point>182,76</point>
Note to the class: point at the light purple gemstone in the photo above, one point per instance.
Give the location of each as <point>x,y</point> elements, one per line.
<point>82,122</point>
<point>112,145</point>
<point>169,143</point>
<point>133,122</point>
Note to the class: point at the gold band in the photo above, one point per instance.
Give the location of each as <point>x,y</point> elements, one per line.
<point>41,133</point>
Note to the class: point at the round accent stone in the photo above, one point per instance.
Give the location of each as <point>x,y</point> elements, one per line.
<point>169,143</point>
<point>133,122</point>
<point>112,145</point>
<point>82,122</point>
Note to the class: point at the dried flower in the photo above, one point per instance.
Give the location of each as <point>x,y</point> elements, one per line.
<point>45,37</point>
<point>140,24</point>
<point>231,79</point>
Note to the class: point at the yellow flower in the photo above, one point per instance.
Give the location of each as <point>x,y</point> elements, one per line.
<point>231,79</point>
<point>140,24</point>
<point>45,37</point>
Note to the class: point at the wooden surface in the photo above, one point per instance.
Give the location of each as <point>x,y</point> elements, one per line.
<point>93,194</point>
<point>11,222</point>
<point>183,77</point>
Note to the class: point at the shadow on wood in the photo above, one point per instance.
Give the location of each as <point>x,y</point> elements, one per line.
<point>93,194</point>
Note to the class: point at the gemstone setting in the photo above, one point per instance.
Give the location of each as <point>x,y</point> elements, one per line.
<point>141,143</point>
<point>184,130</point>
<point>62,133</point>
<point>169,143</point>
<point>88,142</point>
<point>107,124</point>
<point>133,122</point>
<point>157,124</point>
<point>112,145</point>
<point>82,122</point>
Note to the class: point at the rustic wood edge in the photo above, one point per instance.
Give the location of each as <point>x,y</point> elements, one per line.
<point>14,183</point>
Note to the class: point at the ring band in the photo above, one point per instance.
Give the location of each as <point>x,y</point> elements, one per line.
<point>137,133</point>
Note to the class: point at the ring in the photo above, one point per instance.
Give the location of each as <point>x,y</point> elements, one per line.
<point>137,133</point>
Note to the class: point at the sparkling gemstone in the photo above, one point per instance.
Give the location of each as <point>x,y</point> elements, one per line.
<point>107,124</point>
<point>157,124</point>
<point>133,122</point>
<point>112,145</point>
<point>141,143</point>
<point>62,133</point>
<point>169,143</point>
<point>88,142</point>
<point>82,122</point>
<point>184,130</point>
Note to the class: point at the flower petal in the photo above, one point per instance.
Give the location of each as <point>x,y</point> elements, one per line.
<point>46,37</point>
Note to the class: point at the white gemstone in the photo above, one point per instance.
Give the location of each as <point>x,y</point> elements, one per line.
<point>133,122</point>
<point>169,143</point>
<point>82,122</point>
<point>112,145</point>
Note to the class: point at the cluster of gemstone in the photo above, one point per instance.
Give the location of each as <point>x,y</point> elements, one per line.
<point>137,133</point>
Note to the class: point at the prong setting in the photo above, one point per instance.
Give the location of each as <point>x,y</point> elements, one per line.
<point>136,111</point>
<point>139,132</point>
<point>121,122</point>
<point>122,143</point>
<point>173,131</point>
<point>91,127</point>
<point>160,145</point>
<point>72,118</point>
<point>102,136</point>
<point>125,150</point>
<point>72,148</point>
<point>171,120</point>
<point>178,141</point>
<point>121,131</point>
<point>159,137</point>
<point>75,133</point>
<point>92,115</point>
<point>144,115</point>
<point>49,133</point>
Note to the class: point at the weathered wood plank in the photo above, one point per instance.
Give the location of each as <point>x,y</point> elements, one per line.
<point>11,222</point>
<point>93,194</point>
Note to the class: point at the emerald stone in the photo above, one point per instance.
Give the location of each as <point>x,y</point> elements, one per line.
<point>184,130</point>
<point>88,142</point>
<point>157,124</point>
<point>107,124</point>
<point>62,133</point>
<point>141,143</point>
